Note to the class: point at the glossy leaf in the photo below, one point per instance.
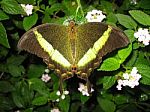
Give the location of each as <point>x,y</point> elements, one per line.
<point>11,7</point>
<point>126,21</point>
<point>140,17</point>
<point>124,53</point>
<point>35,71</point>
<point>144,70</point>
<point>30,21</point>
<point>3,16</point>
<point>108,81</point>
<point>3,36</point>
<point>106,105</point>
<point>110,64</point>
<point>41,100</point>
<point>5,87</point>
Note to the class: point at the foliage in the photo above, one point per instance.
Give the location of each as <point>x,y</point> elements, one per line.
<point>20,85</point>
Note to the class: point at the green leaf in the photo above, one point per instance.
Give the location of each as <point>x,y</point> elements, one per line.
<point>15,60</point>
<point>121,99</point>
<point>110,64</point>
<point>16,71</point>
<point>51,2</point>
<point>28,110</point>
<point>41,100</point>
<point>3,16</point>
<point>140,17</point>
<point>84,98</point>
<point>6,103</point>
<point>3,36</point>
<point>75,106</point>
<point>107,6</point>
<point>53,95</point>
<point>11,7</point>
<point>30,21</point>
<point>141,59</point>
<point>26,1</point>
<point>132,59</point>
<point>111,18</point>
<point>3,52</point>
<point>64,104</point>
<point>68,7</point>
<point>22,95</point>
<point>106,105</point>
<point>108,81</point>
<point>26,92</point>
<point>35,71</point>
<point>39,86</point>
<point>130,35</point>
<point>46,18</point>
<point>144,4</point>
<point>144,70</point>
<point>124,53</point>
<point>126,21</point>
<point>136,45</point>
<point>18,100</point>
<point>54,8</point>
<point>5,87</point>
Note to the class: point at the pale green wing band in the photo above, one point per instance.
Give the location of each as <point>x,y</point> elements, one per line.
<point>92,52</point>
<point>54,54</point>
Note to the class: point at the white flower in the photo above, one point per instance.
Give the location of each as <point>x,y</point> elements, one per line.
<point>84,90</point>
<point>17,111</point>
<point>47,70</point>
<point>130,80</point>
<point>27,8</point>
<point>126,76</point>
<point>57,100</point>
<point>45,77</point>
<point>133,2</point>
<point>55,110</point>
<point>143,35</point>
<point>95,16</point>
<point>58,93</point>
<point>119,87</point>
<point>63,95</point>
<point>125,82</point>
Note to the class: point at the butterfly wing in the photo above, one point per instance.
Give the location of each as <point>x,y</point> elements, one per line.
<point>94,40</point>
<point>50,42</point>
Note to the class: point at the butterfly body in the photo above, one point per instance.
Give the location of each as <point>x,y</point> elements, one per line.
<point>73,49</point>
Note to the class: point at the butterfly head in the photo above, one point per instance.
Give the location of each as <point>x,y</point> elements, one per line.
<point>74,69</point>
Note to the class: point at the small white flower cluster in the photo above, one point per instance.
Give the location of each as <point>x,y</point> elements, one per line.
<point>84,90</point>
<point>55,110</point>
<point>95,16</point>
<point>130,80</point>
<point>133,2</point>
<point>62,96</point>
<point>27,8</point>
<point>45,76</point>
<point>143,35</point>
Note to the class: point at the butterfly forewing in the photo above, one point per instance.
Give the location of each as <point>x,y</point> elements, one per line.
<point>94,40</point>
<point>56,38</point>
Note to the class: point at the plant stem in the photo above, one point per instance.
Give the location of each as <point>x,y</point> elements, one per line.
<point>79,7</point>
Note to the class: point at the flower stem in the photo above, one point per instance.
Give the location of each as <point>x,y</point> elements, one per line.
<point>77,10</point>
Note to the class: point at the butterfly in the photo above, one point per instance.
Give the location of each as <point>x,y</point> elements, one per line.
<point>76,49</point>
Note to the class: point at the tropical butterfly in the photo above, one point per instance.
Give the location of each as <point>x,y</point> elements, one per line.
<point>74,49</point>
